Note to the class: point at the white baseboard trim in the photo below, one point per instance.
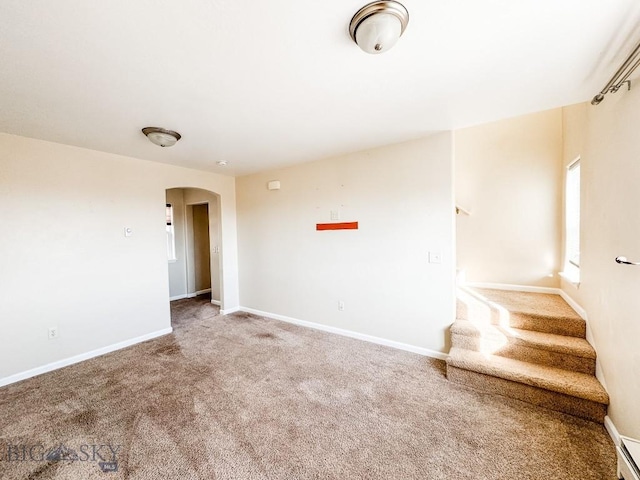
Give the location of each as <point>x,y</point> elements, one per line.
<point>193,295</point>
<point>573,304</point>
<point>513,288</point>
<point>349,333</point>
<point>229,311</point>
<point>199,292</point>
<point>612,430</point>
<point>81,357</point>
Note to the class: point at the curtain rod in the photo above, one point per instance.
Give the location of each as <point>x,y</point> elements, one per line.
<point>621,76</point>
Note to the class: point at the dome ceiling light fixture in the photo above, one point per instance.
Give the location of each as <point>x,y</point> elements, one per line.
<point>376,27</point>
<point>161,136</point>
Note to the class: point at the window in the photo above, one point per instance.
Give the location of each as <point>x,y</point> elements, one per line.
<point>171,236</point>
<point>572,221</point>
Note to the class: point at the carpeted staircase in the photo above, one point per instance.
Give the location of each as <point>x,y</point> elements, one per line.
<point>528,346</point>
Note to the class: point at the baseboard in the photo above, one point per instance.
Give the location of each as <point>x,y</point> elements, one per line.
<point>513,288</point>
<point>82,357</point>
<point>229,311</point>
<point>199,292</point>
<point>193,295</point>
<point>349,333</point>
<point>589,336</point>
<point>612,430</point>
<point>573,304</point>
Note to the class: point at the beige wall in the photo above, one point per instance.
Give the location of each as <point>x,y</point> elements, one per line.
<point>606,138</point>
<point>509,175</point>
<point>401,196</point>
<point>66,260</point>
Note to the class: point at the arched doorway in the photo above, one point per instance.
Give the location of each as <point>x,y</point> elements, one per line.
<point>194,243</point>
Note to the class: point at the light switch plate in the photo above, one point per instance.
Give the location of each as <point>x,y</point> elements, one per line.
<point>435,257</point>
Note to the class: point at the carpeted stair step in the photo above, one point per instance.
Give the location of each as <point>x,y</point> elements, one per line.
<point>574,393</point>
<point>569,353</point>
<point>541,312</point>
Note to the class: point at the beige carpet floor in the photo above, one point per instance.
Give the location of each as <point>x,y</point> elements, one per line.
<point>243,397</point>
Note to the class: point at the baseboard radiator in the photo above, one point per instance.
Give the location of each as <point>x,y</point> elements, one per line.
<point>628,459</point>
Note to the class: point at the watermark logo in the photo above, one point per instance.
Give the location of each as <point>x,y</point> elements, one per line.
<point>105,455</point>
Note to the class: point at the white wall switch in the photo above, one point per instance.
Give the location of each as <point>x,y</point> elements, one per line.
<point>341,306</point>
<point>128,231</point>
<point>335,214</point>
<point>435,257</point>
<point>53,333</point>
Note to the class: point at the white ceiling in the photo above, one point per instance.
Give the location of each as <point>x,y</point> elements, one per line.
<point>266,84</point>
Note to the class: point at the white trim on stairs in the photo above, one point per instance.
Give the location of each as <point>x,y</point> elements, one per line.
<point>349,333</point>
<point>612,430</point>
<point>82,357</point>
<point>573,304</point>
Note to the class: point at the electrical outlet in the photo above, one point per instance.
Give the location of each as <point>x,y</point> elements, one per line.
<point>341,306</point>
<point>53,333</point>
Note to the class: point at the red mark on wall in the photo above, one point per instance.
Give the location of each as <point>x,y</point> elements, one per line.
<point>337,226</point>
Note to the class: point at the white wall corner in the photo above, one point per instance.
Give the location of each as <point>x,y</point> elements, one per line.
<point>348,333</point>
<point>229,311</point>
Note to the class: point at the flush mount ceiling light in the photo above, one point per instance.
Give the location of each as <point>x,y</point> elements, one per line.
<point>222,163</point>
<point>161,137</point>
<point>376,27</point>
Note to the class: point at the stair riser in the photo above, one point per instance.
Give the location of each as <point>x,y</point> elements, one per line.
<point>572,327</point>
<point>559,402</point>
<point>527,354</point>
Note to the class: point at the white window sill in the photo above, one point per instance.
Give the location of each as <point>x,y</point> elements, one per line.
<point>572,277</point>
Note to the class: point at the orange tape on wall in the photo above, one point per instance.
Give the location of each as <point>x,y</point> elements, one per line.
<point>337,226</point>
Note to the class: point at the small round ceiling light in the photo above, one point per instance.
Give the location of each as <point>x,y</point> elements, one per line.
<point>222,163</point>
<point>161,136</point>
<point>376,27</point>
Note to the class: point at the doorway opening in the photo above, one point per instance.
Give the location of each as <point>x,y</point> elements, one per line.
<point>193,252</point>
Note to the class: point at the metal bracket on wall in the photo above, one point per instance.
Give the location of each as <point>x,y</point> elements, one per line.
<point>624,261</point>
